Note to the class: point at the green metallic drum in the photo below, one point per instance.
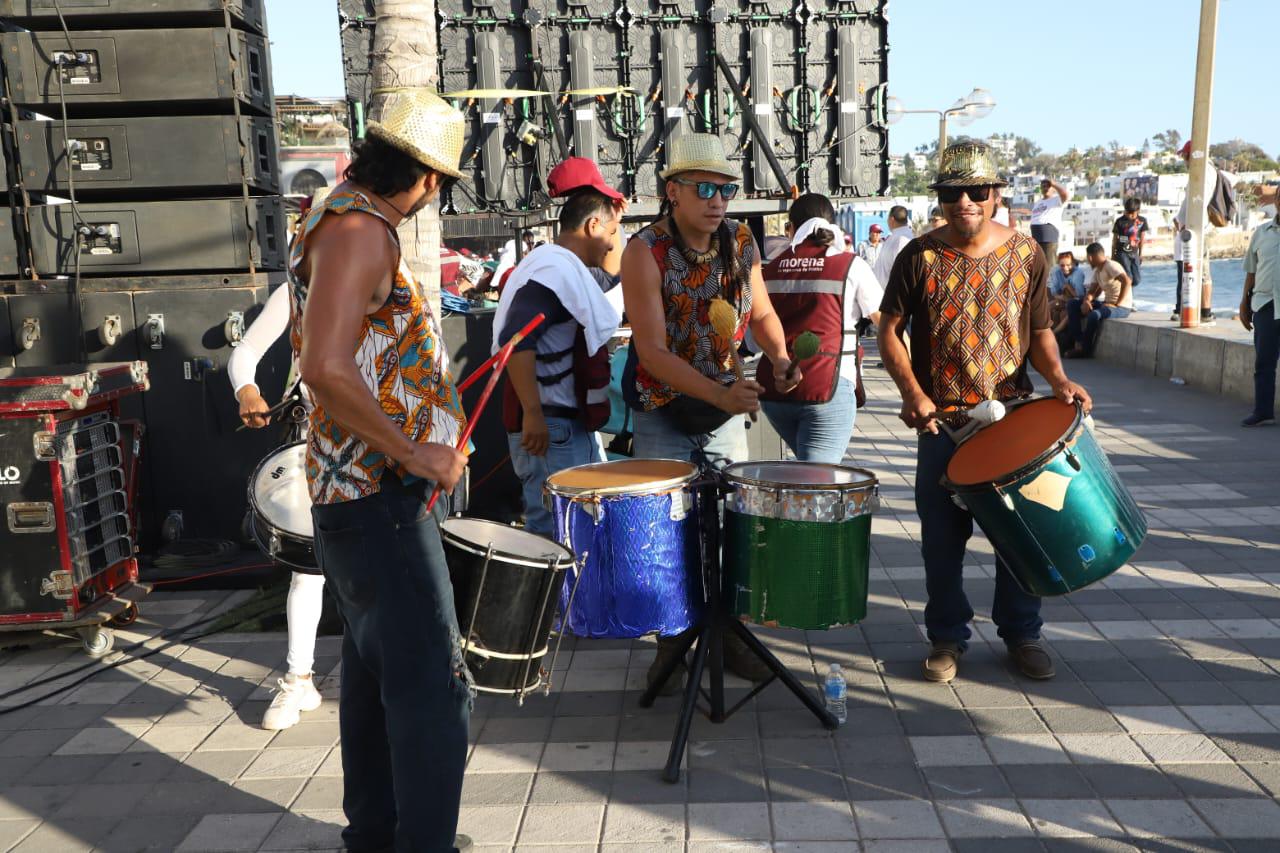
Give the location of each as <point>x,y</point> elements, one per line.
<point>1064,521</point>
<point>797,543</point>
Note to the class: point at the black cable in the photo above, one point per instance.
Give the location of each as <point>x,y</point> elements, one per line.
<point>82,228</point>
<point>99,668</point>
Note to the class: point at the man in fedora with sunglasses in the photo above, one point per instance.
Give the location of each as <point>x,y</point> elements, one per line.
<point>975,295</point>
<point>382,435</point>
<point>680,379</point>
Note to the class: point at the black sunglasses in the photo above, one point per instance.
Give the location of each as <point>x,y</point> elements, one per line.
<point>951,195</point>
<point>707,189</point>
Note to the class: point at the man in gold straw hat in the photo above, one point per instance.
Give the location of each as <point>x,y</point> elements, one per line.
<point>975,295</point>
<point>680,378</point>
<point>382,435</point>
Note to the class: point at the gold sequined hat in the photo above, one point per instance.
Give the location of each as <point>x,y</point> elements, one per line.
<point>698,152</point>
<point>422,125</point>
<point>968,164</point>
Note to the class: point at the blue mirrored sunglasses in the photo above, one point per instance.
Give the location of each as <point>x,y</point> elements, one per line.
<point>707,189</point>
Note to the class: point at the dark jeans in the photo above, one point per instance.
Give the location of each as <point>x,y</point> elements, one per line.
<point>945,529</point>
<point>1083,328</point>
<point>406,699</point>
<point>1132,266</point>
<point>1266,352</point>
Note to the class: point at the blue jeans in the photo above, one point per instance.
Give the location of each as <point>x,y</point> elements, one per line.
<point>1083,328</point>
<point>1266,352</point>
<point>570,445</point>
<point>1132,266</point>
<point>655,437</point>
<point>406,700</point>
<point>945,530</point>
<point>816,432</point>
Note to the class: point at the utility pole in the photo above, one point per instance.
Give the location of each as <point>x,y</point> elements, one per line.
<point>1195,262</point>
<point>942,136</point>
<point>404,56</point>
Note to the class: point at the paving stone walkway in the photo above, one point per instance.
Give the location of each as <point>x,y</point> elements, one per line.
<point>1161,731</point>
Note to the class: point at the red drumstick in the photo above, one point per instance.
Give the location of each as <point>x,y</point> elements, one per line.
<point>499,361</point>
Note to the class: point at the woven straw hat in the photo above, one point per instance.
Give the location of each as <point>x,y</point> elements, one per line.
<point>968,164</point>
<point>698,152</point>
<point>422,125</point>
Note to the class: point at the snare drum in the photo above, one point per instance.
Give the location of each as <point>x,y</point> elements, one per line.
<point>1043,491</point>
<point>281,507</point>
<point>632,528</point>
<point>506,583</point>
<point>797,543</point>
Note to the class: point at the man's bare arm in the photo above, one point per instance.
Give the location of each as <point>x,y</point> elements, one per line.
<point>347,266</point>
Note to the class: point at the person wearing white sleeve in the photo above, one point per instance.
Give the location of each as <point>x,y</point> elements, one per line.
<point>818,287</point>
<point>297,691</point>
<point>900,234</point>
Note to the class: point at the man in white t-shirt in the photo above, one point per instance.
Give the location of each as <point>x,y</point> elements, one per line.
<point>900,234</point>
<point>1046,218</point>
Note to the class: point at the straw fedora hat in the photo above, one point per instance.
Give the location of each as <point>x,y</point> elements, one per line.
<point>698,152</point>
<point>422,125</point>
<point>968,164</point>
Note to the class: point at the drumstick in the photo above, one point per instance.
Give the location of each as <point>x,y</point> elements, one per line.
<point>725,320</point>
<point>501,356</point>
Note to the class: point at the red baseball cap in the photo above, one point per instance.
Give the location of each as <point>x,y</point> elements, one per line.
<point>876,229</point>
<point>574,174</point>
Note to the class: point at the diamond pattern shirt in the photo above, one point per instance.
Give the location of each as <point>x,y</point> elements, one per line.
<point>971,318</point>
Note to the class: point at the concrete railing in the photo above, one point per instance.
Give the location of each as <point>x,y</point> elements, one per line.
<point>1217,359</point>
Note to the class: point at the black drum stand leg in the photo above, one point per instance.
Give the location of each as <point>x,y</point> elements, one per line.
<point>679,741</point>
<point>784,675</point>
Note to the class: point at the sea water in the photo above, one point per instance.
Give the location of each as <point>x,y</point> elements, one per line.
<point>1158,289</point>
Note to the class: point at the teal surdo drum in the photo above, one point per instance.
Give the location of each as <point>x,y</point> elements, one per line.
<point>797,543</point>
<point>1043,491</point>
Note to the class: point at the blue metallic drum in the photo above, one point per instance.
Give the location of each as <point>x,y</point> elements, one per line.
<point>632,528</point>
<point>1041,488</point>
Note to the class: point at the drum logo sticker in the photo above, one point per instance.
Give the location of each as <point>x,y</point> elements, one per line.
<point>10,475</point>
<point>1049,489</point>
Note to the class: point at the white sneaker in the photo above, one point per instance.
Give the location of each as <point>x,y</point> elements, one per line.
<point>296,694</point>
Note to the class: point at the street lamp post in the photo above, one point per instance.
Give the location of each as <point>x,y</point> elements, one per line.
<point>977,104</point>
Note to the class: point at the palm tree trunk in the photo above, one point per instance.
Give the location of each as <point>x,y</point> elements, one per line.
<point>404,54</point>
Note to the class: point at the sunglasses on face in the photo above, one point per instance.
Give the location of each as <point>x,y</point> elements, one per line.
<point>707,189</point>
<point>951,195</point>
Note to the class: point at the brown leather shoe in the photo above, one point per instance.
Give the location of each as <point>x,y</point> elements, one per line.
<point>1032,660</point>
<point>941,664</point>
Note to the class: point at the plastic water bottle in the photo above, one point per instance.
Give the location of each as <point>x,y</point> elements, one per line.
<point>833,689</point>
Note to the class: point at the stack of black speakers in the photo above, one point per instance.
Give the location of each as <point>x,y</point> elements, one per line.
<point>144,221</point>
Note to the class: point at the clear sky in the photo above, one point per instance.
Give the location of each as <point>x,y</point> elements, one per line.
<point>1063,73</point>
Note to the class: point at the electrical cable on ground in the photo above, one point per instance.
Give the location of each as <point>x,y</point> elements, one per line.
<point>99,668</point>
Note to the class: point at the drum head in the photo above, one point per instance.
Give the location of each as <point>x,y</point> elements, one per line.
<point>800,475</point>
<point>1025,434</point>
<point>623,477</point>
<point>509,543</point>
<point>278,490</point>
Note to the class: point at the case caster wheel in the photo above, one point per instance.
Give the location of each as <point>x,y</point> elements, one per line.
<point>97,641</point>
<point>125,618</point>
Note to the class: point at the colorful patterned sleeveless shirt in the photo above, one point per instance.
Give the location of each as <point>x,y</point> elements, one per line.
<point>402,359</point>
<point>687,291</point>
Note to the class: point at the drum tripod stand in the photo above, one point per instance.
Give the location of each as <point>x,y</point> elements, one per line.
<point>707,643</point>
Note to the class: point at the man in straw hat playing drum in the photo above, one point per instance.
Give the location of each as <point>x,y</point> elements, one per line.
<point>681,380</point>
<point>974,292</point>
<point>382,435</point>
